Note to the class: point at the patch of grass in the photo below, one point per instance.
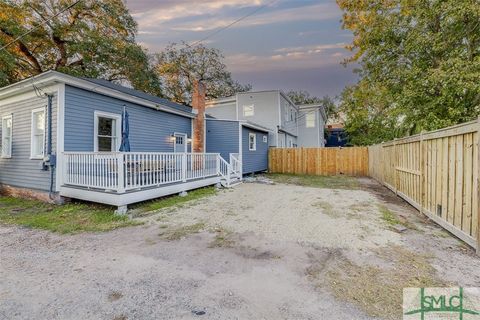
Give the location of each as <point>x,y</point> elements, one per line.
<point>388,216</point>
<point>181,232</point>
<point>173,201</point>
<point>378,290</point>
<point>69,218</point>
<point>327,208</point>
<point>328,182</point>
<point>391,218</point>
<point>223,239</point>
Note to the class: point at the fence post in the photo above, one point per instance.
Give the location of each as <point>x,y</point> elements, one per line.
<point>121,173</point>
<point>422,173</point>
<point>184,166</point>
<point>395,156</point>
<point>478,188</point>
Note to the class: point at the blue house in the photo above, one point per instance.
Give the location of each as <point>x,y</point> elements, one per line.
<point>61,135</point>
<point>243,139</point>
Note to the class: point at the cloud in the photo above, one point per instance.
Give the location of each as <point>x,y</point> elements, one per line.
<point>211,15</point>
<point>156,14</point>
<point>289,58</point>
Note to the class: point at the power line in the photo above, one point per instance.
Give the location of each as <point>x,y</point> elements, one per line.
<point>231,24</point>
<point>35,28</point>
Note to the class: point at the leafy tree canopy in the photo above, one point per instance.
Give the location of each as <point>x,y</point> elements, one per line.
<point>92,39</point>
<point>304,97</point>
<point>179,65</point>
<point>419,66</point>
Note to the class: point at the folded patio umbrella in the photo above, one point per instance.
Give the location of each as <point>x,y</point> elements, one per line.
<point>125,146</point>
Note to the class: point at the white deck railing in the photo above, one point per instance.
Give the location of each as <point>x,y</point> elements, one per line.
<point>236,164</point>
<point>124,171</point>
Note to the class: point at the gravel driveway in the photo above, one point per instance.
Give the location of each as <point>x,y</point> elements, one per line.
<point>253,252</point>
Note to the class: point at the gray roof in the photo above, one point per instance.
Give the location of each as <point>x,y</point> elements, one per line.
<point>140,94</point>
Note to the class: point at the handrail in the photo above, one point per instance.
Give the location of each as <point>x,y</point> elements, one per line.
<point>224,169</point>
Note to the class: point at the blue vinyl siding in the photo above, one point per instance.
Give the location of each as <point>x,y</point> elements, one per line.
<point>254,161</point>
<point>20,170</point>
<point>222,137</point>
<point>150,130</point>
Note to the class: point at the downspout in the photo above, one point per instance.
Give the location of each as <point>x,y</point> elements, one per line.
<point>49,161</point>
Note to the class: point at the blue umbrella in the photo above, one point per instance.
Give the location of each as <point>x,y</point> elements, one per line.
<point>125,146</point>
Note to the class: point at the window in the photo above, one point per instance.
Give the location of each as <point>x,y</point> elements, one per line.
<point>265,139</point>
<point>310,118</point>
<point>179,139</point>
<point>7,136</point>
<point>37,149</point>
<point>248,111</point>
<point>107,132</point>
<point>292,115</point>
<point>252,141</point>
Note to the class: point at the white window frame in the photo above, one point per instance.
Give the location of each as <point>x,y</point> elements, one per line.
<point>32,134</point>
<point>311,120</point>
<point>249,110</point>
<point>5,154</point>
<point>118,129</point>
<point>265,139</point>
<point>254,135</point>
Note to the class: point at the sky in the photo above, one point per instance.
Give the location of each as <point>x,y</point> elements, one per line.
<point>287,45</point>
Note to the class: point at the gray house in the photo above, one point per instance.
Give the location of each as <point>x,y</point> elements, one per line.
<point>289,125</point>
<point>243,139</point>
<point>61,135</point>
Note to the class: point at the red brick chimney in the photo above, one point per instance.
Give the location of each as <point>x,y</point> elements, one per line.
<point>198,103</point>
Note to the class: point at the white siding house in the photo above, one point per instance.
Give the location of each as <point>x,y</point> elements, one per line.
<point>275,111</point>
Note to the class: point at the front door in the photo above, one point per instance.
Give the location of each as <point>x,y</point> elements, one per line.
<point>180,142</point>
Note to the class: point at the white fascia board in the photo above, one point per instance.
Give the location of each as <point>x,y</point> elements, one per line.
<point>56,77</point>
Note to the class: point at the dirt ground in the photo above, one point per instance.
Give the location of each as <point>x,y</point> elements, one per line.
<point>257,251</point>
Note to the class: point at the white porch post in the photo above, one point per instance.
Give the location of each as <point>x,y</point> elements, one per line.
<point>184,167</point>
<point>218,164</point>
<point>121,173</point>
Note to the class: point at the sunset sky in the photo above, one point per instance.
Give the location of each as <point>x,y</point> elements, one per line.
<point>289,44</point>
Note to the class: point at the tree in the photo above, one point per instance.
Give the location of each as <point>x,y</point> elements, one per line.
<point>304,97</point>
<point>419,66</point>
<point>179,65</point>
<point>91,39</point>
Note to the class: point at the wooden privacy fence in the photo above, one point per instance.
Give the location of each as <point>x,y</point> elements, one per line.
<point>436,172</point>
<point>319,161</point>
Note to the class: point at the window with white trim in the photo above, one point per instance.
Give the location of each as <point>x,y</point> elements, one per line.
<point>248,110</point>
<point>7,136</point>
<point>252,141</point>
<point>310,119</point>
<point>265,139</point>
<point>107,132</point>
<point>37,148</point>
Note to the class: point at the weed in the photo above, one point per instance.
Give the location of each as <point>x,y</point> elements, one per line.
<point>223,239</point>
<point>328,182</point>
<point>172,202</point>
<point>69,218</point>
<point>377,290</point>
<point>181,232</point>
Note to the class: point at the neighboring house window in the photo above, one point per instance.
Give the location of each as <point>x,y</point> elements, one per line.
<point>248,111</point>
<point>292,115</point>
<point>7,136</point>
<point>310,118</point>
<point>107,132</point>
<point>252,141</point>
<point>37,150</point>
